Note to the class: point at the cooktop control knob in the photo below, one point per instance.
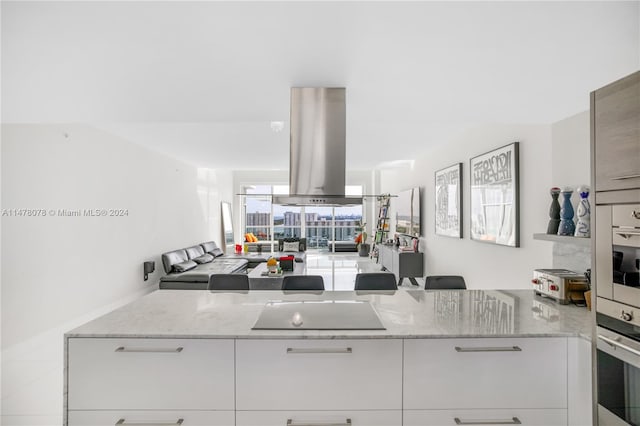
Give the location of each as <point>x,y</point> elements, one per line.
<point>626,316</point>
<point>535,281</point>
<point>553,287</point>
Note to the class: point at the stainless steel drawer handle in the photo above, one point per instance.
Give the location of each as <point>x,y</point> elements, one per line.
<point>627,234</point>
<point>617,344</point>
<point>490,349</point>
<point>512,421</point>
<point>151,350</point>
<point>124,422</point>
<point>625,177</point>
<point>319,350</point>
<point>290,422</point>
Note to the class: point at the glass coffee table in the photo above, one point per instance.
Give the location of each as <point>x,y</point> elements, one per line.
<point>260,279</point>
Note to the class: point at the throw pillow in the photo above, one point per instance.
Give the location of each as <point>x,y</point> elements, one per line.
<point>184,266</point>
<point>205,258</point>
<point>293,246</point>
<point>216,252</point>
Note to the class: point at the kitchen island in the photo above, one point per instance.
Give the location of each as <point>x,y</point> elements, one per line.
<point>444,357</point>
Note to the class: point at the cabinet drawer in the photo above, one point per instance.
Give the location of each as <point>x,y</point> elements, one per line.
<point>319,418</point>
<point>149,374</point>
<point>485,373</point>
<point>318,374</point>
<point>156,418</point>
<point>485,417</point>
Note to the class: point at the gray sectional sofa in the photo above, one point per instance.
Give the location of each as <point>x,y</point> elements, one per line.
<point>190,268</point>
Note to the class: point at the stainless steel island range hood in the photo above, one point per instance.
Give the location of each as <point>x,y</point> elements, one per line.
<point>318,148</point>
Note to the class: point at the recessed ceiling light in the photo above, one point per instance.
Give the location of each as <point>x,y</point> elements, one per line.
<point>277,126</point>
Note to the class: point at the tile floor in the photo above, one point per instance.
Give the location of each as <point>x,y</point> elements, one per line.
<point>32,372</point>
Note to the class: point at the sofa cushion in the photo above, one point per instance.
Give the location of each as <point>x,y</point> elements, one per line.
<point>301,244</point>
<point>171,258</point>
<point>205,258</point>
<point>294,246</point>
<point>184,266</point>
<point>194,251</point>
<point>204,271</point>
<point>211,248</point>
<point>208,246</point>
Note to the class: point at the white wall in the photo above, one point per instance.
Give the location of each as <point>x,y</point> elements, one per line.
<point>55,269</point>
<point>571,156</point>
<point>570,152</point>
<point>485,265</point>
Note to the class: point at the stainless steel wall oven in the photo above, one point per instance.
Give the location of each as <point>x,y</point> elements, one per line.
<point>618,374</point>
<point>618,314</point>
<point>618,260</point>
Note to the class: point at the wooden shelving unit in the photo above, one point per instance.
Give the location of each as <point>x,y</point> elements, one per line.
<point>382,223</point>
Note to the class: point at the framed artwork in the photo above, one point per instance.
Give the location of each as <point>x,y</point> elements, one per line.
<point>449,201</point>
<point>495,200</point>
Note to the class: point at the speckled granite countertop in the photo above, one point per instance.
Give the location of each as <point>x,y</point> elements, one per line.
<point>404,313</point>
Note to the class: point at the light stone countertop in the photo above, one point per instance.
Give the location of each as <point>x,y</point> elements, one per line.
<point>404,313</point>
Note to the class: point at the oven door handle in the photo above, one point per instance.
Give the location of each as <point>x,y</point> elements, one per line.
<point>616,344</point>
<point>627,233</point>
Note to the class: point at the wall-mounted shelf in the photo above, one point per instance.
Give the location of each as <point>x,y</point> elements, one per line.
<point>565,239</point>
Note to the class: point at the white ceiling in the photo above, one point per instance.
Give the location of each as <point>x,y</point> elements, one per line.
<point>201,81</point>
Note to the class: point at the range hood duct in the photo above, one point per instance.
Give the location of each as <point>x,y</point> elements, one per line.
<point>317,156</point>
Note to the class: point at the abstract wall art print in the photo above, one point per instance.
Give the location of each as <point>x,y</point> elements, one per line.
<point>494,194</point>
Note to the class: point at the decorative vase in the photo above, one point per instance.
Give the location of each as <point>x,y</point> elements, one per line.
<point>567,227</point>
<point>554,212</point>
<point>583,227</point>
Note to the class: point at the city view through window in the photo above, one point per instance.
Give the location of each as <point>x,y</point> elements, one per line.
<point>319,224</point>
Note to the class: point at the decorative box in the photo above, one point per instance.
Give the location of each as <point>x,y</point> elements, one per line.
<point>286,263</point>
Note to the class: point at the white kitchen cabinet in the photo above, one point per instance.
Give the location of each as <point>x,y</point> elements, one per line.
<point>319,418</point>
<point>150,374</point>
<point>550,417</point>
<point>156,418</point>
<point>319,374</point>
<point>580,409</point>
<point>485,373</point>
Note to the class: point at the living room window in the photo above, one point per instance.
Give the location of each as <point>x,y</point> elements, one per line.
<point>258,212</point>
<point>286,219</point>
<point>319,224</point>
